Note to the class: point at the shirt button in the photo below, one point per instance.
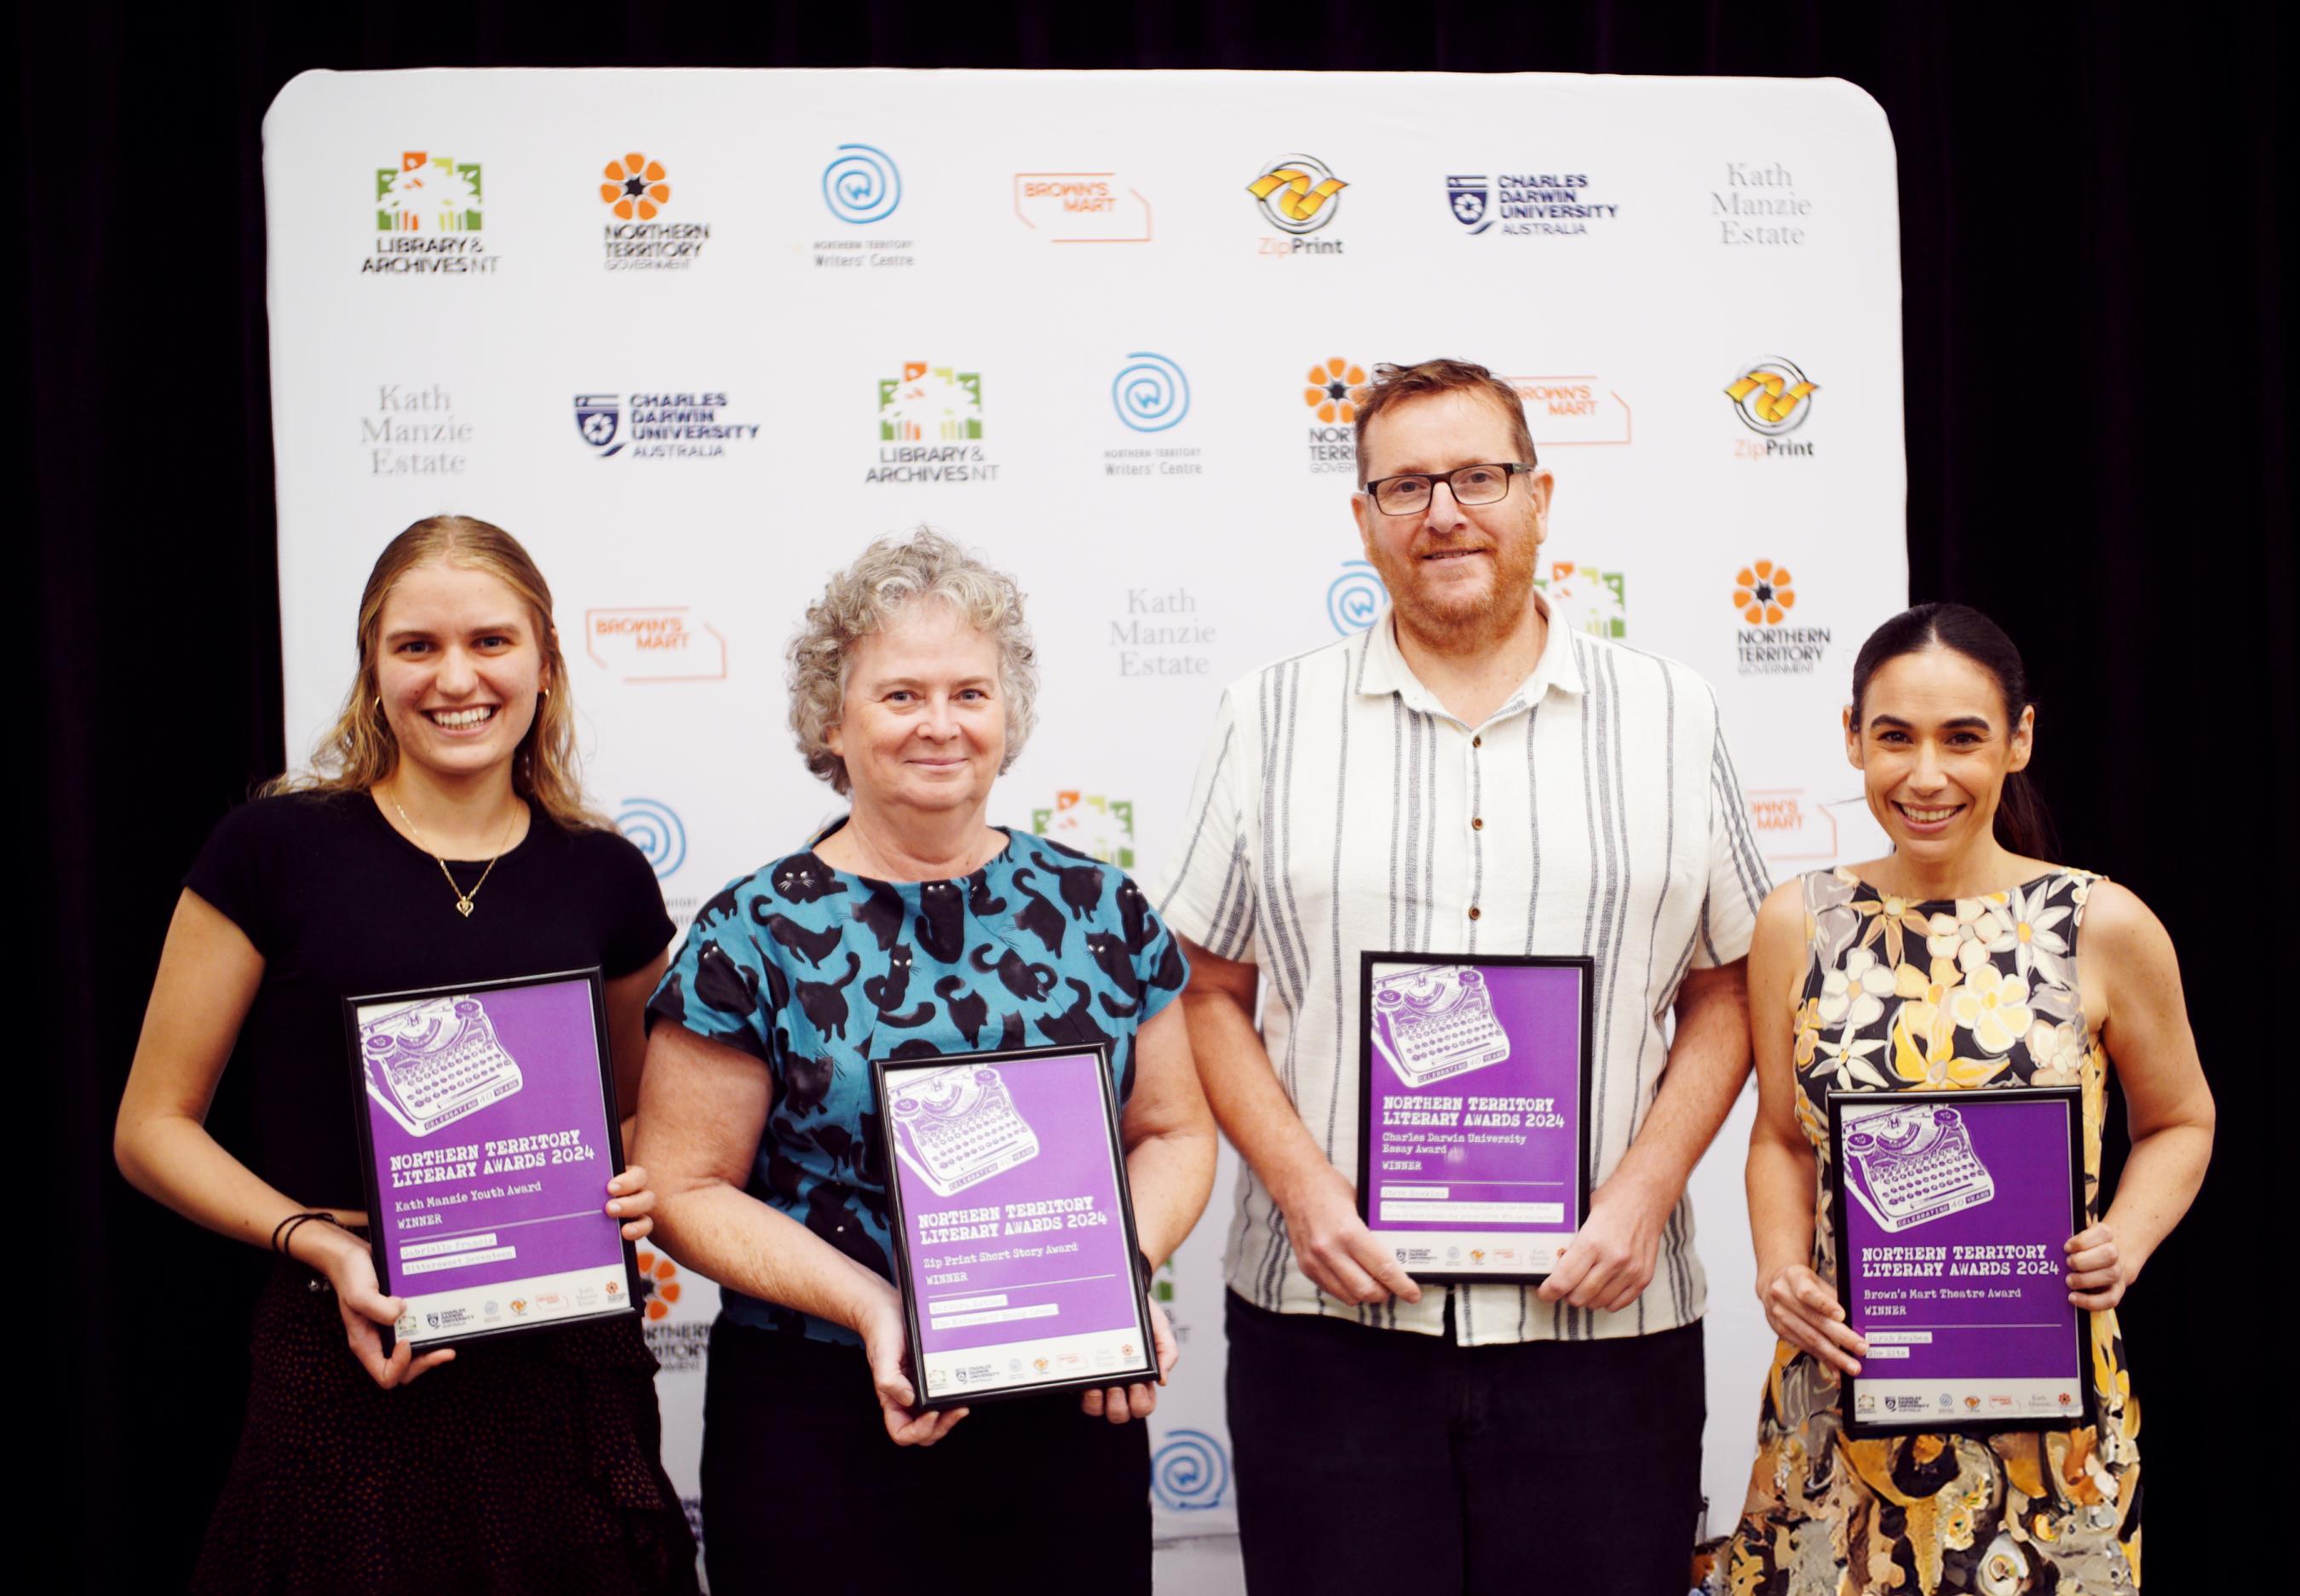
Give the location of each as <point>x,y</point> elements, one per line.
<point>1476,742</point>
<point>1473,911</point>
<point>1477,822</point>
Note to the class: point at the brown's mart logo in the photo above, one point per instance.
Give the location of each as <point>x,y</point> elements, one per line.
<point>1791,828</point>
<point>1081,207</point>
<point>667,643</point>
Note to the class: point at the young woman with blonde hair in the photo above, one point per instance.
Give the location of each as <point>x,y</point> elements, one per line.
<point>442,837</point>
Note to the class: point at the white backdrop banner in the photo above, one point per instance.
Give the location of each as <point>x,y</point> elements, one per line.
<point>697,336</point>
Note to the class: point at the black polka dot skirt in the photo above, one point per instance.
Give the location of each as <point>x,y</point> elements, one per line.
<point>529,1464</point>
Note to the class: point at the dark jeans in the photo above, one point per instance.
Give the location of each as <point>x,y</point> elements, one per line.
<point>802,1491</point>
<point>1380,1459</point>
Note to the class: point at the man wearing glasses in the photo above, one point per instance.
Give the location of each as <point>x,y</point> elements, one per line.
<point>1464,777</point>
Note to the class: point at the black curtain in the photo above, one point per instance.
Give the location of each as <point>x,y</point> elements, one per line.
<point>2095,401</point>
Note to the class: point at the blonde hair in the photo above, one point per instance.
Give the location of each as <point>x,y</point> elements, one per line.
<point>359,750</point>
<point>862,599</point>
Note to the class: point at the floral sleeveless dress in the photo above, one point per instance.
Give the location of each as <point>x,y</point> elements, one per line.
<point>1902,995</point>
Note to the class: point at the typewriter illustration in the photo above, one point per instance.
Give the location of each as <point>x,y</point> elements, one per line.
<point>1913,1165</point>
<point>1437,1021</point>
<point>433,1062</point>
<point>957,1128</point>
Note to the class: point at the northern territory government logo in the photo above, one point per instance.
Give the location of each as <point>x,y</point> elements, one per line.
<point>658,425</point>
<point>1151,395</point>
<point>636,190</point>
<point>1767,643</point>
<point>1081,207</point>
<point>1527,204</point>
<point>863,189</point>
<point>1773,398</point>
<point>1298,195</point>
<point>428,212</point>
<point>1097,826</point>
<point>930,427</point>
<point>677,1335</point>
<point>1331,392</point>
<point>1584,599</point>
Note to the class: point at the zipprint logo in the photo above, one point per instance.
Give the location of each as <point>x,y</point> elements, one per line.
<point>428,213</point>
<point>1298,195</point>
<point>1773,398</point>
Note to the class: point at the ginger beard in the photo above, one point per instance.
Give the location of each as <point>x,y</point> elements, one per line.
<point>1450,570</point>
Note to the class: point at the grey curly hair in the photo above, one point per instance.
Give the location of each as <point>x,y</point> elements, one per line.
<point>862,599</point>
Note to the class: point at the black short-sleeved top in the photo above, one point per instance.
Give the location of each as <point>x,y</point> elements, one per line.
<point>339,903</point>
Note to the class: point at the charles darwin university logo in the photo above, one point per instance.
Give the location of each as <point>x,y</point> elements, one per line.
<point>636,190</point>
<point>428,212</point>
<point>930,427</point>
<point>661,426</point>
<point>1526,205</point>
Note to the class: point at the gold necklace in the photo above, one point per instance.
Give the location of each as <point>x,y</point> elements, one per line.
<point>462,899</point>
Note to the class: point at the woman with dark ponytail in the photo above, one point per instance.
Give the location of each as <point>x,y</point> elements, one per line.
<point>1953,961</point>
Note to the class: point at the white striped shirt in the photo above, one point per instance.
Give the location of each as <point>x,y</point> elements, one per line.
<point>1339,807</point>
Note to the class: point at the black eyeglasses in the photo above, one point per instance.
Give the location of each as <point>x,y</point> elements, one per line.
<point>1470,483</point>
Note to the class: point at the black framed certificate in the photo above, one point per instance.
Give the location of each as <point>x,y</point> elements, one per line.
<point>487,1134</point>
<point>1951,1210</point>
<point>1473,1128</point>
<point>1013,1227</point>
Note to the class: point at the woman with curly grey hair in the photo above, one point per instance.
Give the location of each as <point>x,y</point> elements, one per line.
<point>911,928</point>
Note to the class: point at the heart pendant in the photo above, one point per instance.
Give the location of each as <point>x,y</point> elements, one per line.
<point>463,907</point>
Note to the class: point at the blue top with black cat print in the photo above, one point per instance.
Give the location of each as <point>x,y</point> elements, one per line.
<point>816,972</point>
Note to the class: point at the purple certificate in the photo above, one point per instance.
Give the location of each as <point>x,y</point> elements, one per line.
<point>487,1118</point>
<point>1950,1209</point>
<point>1015,1230</point>
<point>1473,1135</point>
